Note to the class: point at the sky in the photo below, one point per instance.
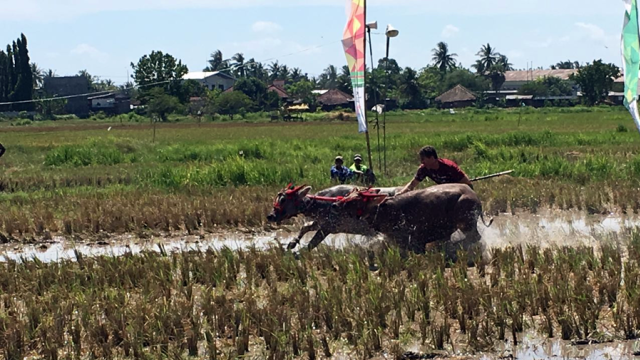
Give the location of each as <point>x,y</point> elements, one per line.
<point>104,37</point>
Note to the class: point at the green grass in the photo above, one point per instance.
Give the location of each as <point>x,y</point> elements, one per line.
<point>568,157</point>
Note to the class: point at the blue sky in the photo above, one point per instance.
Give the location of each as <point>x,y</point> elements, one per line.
<point>104,37</point>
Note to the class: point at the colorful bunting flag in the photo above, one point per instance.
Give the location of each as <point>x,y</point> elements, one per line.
<point>354,47</point>
<point>631,58</point>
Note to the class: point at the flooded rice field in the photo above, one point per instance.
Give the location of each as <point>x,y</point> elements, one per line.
<point>544,230</point>
<point>547,229</point>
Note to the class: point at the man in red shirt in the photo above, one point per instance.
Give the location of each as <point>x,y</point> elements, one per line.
<point>441,171</point>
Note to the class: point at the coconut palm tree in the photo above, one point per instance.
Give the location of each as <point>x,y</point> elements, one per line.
<point>274,70</point>
<point>38,76</point>
<point>488,57</point>
<point>296,75</point>
<point>330,77</point>
<point>216,62</point>
<point>239,63</point>
<point>285,73</point>
<point>442,58</point>
<point>479,67</point>
<point>344,80</point>
<point>496,75</point>
<point>409,89</point>
<point>503,60</point>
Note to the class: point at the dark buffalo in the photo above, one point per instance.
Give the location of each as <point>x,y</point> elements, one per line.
<point>421,217</point>
<point>297,201</point>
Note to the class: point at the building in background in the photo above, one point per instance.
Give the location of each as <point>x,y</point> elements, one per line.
<point>59,86</point>
<point>212,80</point>
<point>111,103</point>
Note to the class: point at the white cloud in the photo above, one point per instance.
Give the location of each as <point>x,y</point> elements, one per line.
<point>593,31</point>
<point>47,10</point>
<point>450,31</point>
<point>90,51</point>
<point>266,27</point>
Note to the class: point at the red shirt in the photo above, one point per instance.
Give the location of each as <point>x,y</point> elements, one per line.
<point>448,172</point>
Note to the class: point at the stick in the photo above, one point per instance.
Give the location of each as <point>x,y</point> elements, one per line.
<point>492,176</point>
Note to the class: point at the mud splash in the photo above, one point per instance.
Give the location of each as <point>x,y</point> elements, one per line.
<point>552,229</point>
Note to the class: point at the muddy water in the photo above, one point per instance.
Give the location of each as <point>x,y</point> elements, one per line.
<point>533,347</point>
<point>562,228</point>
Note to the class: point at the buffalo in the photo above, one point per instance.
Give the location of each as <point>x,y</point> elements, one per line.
<point>420,218</point>
<point>296,201</point>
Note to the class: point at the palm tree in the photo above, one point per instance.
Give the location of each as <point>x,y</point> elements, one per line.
<point>344,80</point>
<point>410,89</point>
<point>296,74</point>
<point>284,73</point>
<point>330,77</point>
<point>239,60</point>
<point>503,60</point>
<point>479,67</point>
<point>38,76</point>
<point>274,70</point>
<point>216,62</point>
<point>496,75</point>
<point>488,56</point>
<point>90,79</point>
<point>442,58</point>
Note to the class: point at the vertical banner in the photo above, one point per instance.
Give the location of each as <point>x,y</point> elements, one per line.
<point>631,58</point>
<point>354,48</point>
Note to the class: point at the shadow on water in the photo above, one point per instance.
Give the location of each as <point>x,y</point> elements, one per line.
<point>548,230</point>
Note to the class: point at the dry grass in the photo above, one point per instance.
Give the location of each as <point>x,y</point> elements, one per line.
<point>223,304</point>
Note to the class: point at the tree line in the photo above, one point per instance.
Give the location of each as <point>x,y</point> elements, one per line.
<point>159,76</point>
<point>16,77</point>
<point>411,88</point>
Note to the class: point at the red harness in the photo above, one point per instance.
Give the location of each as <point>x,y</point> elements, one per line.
<point>291,194</point>
<point>363,198</point>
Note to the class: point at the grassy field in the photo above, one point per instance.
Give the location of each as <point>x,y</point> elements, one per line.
<point>79,178</point>
<point>267,305</point>
<point>71,177</point>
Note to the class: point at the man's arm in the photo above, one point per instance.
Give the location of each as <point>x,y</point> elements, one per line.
<point>410,186</point>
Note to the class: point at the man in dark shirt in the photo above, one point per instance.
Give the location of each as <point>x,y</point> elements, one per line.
<point>441,171</point>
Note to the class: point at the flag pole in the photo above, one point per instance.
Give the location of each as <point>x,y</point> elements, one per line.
<point>364,88</point>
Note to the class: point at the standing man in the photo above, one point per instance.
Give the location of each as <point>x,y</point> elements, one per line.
<point>441,171</point>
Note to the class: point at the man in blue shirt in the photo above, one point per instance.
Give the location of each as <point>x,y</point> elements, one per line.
<point>341,173</point>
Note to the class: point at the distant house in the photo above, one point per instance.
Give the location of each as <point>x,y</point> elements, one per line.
<point>514,80</point>
<point>334,98</point>
<point>458,97</point>
<point>282,94</point>
<point>111,103</point>
<point>212,80</point>
<point>67,86</point>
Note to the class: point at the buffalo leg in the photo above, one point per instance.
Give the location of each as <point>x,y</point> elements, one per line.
<point>305,229</point>
<point>317,239</point>
<point>471,244</point>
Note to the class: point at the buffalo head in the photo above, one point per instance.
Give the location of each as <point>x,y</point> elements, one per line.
<point>288,203</point>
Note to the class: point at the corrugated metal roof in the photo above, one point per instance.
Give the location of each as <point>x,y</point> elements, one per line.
<point>536,74</point>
